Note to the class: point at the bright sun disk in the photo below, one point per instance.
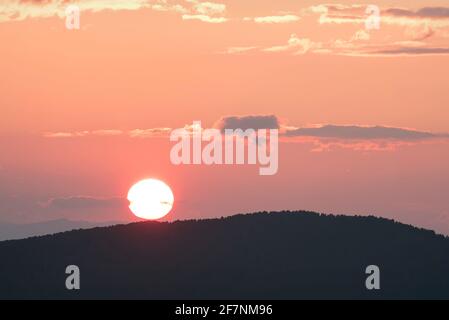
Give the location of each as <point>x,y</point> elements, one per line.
<point>150,199</point>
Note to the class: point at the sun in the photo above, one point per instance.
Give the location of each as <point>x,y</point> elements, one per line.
<point>150,199</point>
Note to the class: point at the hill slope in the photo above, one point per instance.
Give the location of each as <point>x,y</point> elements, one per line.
<point>281,255</point>
<point>10,231</point>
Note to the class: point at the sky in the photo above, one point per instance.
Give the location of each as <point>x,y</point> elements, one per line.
<point>362,109</point>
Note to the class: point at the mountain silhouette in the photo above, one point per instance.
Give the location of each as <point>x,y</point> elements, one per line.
<point>278,255</point>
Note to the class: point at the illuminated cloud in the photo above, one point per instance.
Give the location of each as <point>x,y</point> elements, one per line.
<point>204,18</point>
<point>80,134</point>
<point>208,8</point>
<point>361,35</point>
<point>149,133</point>
<point>288,18</point>
<point>420,33</point>
<point>135,133</point>
<point>437,17</point>
<point>238,50</point>
<point>162,6</point>
<point>359,45</point>
<point>209,12</point>
<point>18,10</point>
<point>66,134</point>
<point>295,44</point>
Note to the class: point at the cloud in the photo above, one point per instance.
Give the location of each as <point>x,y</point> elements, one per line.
<point>356,46</point>
<point>339,13</point>
<point>412,51</point>
<point>356,137</point>
<point>437,17</point>
<point>296,44</point>
<point>288,18</point>
<point>209,12</point>
<point>238,50</point>
<point>420,33</point>
<point>149,133</point>
<point>359,138</point>
<point>204,18</point>
<point>401,48</point>
<point>353,132</point>
<point>80,134</point>
<point>82,202</point>
<point>326,137</point>
<point>165,7</point>
<point>417,27</point>
<point>66,134</point>
<point>208,8</point>
<point>135,133</point>
<point>18,10</point>
<point>361,35</point>
<point>426,12</point>
<point>255,122</point>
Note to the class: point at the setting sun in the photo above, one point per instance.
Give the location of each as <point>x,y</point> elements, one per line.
<point>150,199</point>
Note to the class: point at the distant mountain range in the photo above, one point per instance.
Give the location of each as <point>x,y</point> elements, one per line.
<point>282,255</point>
<point>10,231</point>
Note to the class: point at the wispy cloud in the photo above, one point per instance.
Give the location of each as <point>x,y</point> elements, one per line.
<point>80,134</point>
<point>149,133</point>
<point>209,12</point>
<point>437,17</point>
<point>208,8</point>
<point>135,133</point>
<point>357,46</point>
<point>66,134</point>
<point>354,132</point>
<point>296,45</point>
<point>204,18</point>
<point>287,18</point>
<point>239,50</point>
<point>359,138</point>
<point>410,51</point>
<point>18,10</point>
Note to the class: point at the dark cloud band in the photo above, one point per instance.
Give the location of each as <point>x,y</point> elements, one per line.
<point>255,122</point>
<point>360,133</point>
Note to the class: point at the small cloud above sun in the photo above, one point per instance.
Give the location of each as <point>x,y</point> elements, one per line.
<point>150,199</point>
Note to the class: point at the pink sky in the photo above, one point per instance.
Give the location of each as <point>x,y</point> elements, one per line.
<point>71,102</point>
